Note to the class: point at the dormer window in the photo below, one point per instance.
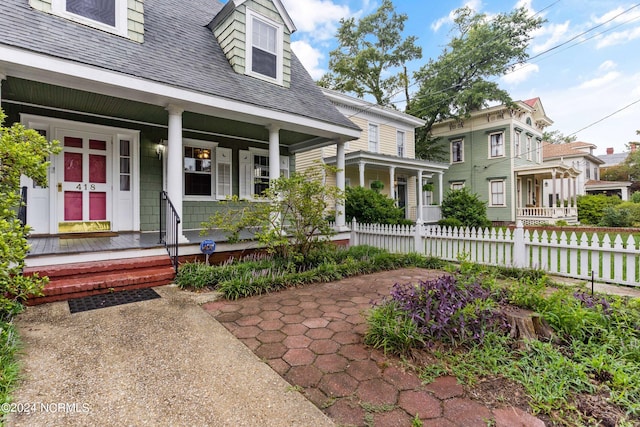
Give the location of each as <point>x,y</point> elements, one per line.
<point>264,48</point>
<point>107,15</point>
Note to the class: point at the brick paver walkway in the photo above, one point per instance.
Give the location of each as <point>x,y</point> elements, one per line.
<point>313,337</point>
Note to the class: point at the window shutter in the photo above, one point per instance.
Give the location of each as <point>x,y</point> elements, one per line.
<point>223,172</point>
<point>245,174</point>
<point>284,166</point>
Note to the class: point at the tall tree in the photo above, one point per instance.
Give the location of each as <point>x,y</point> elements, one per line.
<point>370,49</point>
<point>557,137</point>
<point>460,80</point>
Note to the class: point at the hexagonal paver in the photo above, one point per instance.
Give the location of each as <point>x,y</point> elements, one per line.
<point>290,309</point>
<point>270,336</point>
<point>304,376</point>
<point>251,320</point>
<point>363,370</point>
<point>445,387</point>
<point>346,338</point>
<point>330,363</point>
<point>377,392</point>
<point>247,332</point>
<point>297,341</point>
<point>229,307</point>
<point>319,333</point>
<point>271,314</point>
<point>394,418</point>
<point>271,325</point>
<point>294,329</point>
<point>354,352</point>
<point>420,403</point>
<point>270,306</point>
<point>311,313</point>
<point>228,317</point>
<point>292,318</point>
<point>314,323</point>
<point>279,365</point>
<point>400,379</point>
<point>466,412</point>
<point>249,310</point>
<point>334,315</point>
<point>289,301</point>
<point>355,319</point>
<point>308,305</point>
<point>339,326</point>
<point>324,346</point>
<point>271,351</point>
<point>345,303</point>
<point>299,357</point>
<point>507,417</point>
<point>345,413</point>
<point>349,311</point>
<point>338,384</point>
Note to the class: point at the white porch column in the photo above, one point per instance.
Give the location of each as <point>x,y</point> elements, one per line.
<point>274,152</point>
<point>174,162</point>
<point>420,202</point>
<point>392,178</point>
<point>440,188</point>
<point>575,191</point>
<point>361,170</point>
<point>340,183</point>
<point>553,188</point>
<point>569,191</point>
<point>563,181</point>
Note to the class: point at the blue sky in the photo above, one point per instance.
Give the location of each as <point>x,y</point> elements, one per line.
<point>580,83</point>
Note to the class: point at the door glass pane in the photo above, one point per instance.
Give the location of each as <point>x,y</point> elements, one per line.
<point>95,144</point>
<point>97,169</point>
<point>73,205</point>
<point>97,206</point>
<point>73,167</point>
<point>124,147</point>
<point>70,141</point>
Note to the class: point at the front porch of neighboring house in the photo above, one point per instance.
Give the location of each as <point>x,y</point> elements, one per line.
<point>400,177</point>
<point>532,209</point>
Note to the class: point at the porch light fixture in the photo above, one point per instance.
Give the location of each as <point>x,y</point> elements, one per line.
<point>160,148</point>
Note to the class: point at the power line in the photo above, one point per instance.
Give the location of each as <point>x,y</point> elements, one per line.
<point>606,117</point>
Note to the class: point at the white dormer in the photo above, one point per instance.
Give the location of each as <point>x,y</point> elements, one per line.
<point>255,36</point>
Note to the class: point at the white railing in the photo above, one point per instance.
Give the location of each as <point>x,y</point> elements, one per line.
<point>547,212</point>
<point>614,260</point>
<point>431,214</point>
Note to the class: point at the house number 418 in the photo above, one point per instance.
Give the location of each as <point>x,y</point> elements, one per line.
<point>89,187</point>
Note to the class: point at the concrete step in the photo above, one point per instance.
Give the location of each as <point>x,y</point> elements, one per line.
<point>98,277</point>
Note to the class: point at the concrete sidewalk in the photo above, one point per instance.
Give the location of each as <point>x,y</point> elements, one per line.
<point>159,362</point>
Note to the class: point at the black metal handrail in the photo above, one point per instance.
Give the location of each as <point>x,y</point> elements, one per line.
<point>22,210</point>
<point>169,227</point>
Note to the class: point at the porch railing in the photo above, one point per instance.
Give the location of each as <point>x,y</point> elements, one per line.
<point>548,212</point>
<point>169,225</point>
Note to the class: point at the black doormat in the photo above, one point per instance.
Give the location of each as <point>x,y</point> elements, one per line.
<point>109,300</point>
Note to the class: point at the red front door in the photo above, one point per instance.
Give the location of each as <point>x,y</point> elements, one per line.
<point>84,187</point>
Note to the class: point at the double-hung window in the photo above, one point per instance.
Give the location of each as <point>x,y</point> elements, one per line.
<point>457,151</point>
<point>264,47</point>
<point>496,142</point>
<point>207,170</point>
<point>497,192</point>
<point>400,143</point>
<point>528,147</point>
<point>373,138</point>
<point>108,15</point>
<point>255,172</point>
<point>516,144</point>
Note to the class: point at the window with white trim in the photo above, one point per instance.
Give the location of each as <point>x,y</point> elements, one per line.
<point>400,143</point>
<point>496,189</point>
<point>516,144</point>
<point>264,47</point>
<point>538,151</point>
<point>108,15</point>
<point>373,138</point>
<point>496,143</point>
<point>528,147</point>
<point>457,151</point>
<point>459,185</point>
<point>254,172</point>
<point>207,170</point>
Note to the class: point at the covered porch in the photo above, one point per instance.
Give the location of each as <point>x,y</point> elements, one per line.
<point>403,180</point>
<point>531,186</point>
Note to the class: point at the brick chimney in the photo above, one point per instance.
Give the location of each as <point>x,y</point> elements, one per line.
<point>610,150</point>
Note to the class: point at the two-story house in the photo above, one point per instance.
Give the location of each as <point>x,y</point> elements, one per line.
<point>497,153</point>
<point>385,153</point>
<point>198,99</point>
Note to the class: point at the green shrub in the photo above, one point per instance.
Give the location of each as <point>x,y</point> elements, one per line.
<point>450,222</point>
<point>466,207</point>
<point>195,275</point>
<point>616,217</point>
<point>392,330</point>
<point>633,209</point>
<point>370,207</point>
<point>635,197</point>
<point>591,207</point>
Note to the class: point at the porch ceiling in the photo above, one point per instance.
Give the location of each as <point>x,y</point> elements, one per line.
<point>51,96</point>
<point>546,171</point>
<point>383,161</point>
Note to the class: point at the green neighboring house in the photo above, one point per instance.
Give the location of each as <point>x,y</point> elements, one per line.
<point>497,154</point>
<point>201,99</point>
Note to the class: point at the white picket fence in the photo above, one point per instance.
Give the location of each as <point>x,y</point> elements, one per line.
<point>612,261</point>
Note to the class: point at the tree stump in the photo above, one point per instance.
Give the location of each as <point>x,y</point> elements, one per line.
<point>526,324</point>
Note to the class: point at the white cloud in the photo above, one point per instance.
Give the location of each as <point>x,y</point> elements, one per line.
<point>318,18</point>
<point>471,4</point>
<point>552,34</point>
<point>607,65</point>
<point>619,37</point>
<point>520,74</point>
<point>600,81</point>
<point>310,58</point>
